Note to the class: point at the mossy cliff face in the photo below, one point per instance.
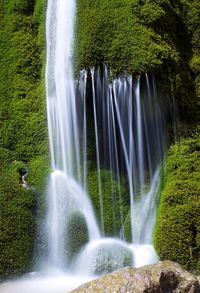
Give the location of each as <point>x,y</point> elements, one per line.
<point>17,226</point>
<point>177,232</point>
<point>23,129</point>
<point>125,34</point>
<point>190,100</point>
<point>137,36</point>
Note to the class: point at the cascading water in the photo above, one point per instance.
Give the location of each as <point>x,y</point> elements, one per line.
<point>129,138</point>
<point>65,195</point>
<point>125,138</point>
<point>127,131</point>
<point>132,144</point>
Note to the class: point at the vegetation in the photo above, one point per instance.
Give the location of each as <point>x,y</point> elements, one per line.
<point>177,233</point>
<point>109,258</point>
<point>18,225</point>
<point>127,227</point>
<point>131,36</point>
<point>22,129</point>
<point>162,36</point>
<point>118,33</point>
<point>77,234</point>
<point>137,36</point>
<point>114,207</point>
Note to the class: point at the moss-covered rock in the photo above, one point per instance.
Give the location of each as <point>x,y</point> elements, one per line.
<point>110,258</point>
<point>177,230</point>
<point>162,277</point>
<point>77,234</point>
<point>103,256</point>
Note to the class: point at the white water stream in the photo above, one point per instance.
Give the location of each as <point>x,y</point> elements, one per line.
<point>66,196</point>
<point>128,132</point>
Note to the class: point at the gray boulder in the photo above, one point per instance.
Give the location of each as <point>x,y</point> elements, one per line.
<point>163,277</point>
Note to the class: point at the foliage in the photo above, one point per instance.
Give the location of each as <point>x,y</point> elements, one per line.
<point>177,230</point>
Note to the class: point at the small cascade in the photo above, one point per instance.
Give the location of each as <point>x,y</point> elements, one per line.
<point>120,98</point>
<point>129,134</point>
<point>132,144</point>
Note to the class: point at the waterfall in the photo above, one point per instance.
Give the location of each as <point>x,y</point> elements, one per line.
<point>127,132</point>
<point>129,140</point>
<point>129,135</point>
<point>66,194</point>
<point>128,124</point>
<point>132,131</point>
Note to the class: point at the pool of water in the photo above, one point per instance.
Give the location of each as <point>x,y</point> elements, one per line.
<point>44,284</point>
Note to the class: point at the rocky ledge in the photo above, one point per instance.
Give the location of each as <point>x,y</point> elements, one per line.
<point>163,277</point>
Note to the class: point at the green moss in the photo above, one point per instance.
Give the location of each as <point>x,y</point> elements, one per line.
<point>17,222</point>
<point>38,170</point>
<point>177,230</point>
<point>77,234</point>
<point>114,207</point>
<point>118,33</point>
<point>110,258</point>
<point>23,129</point>
<point>127,227</point>
<point>133,36</point>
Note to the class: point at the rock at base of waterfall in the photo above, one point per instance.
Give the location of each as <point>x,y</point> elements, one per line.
<point>163,277</point>
<point>107,260</point>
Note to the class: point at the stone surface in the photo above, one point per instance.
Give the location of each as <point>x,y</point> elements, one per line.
<point>198,277</point>
<point>163,277</point>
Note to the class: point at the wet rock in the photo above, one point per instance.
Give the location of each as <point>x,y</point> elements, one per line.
<point>109,259</point>
<point>77,234</point>
<point>103,256</point>
<point>163,277</point>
